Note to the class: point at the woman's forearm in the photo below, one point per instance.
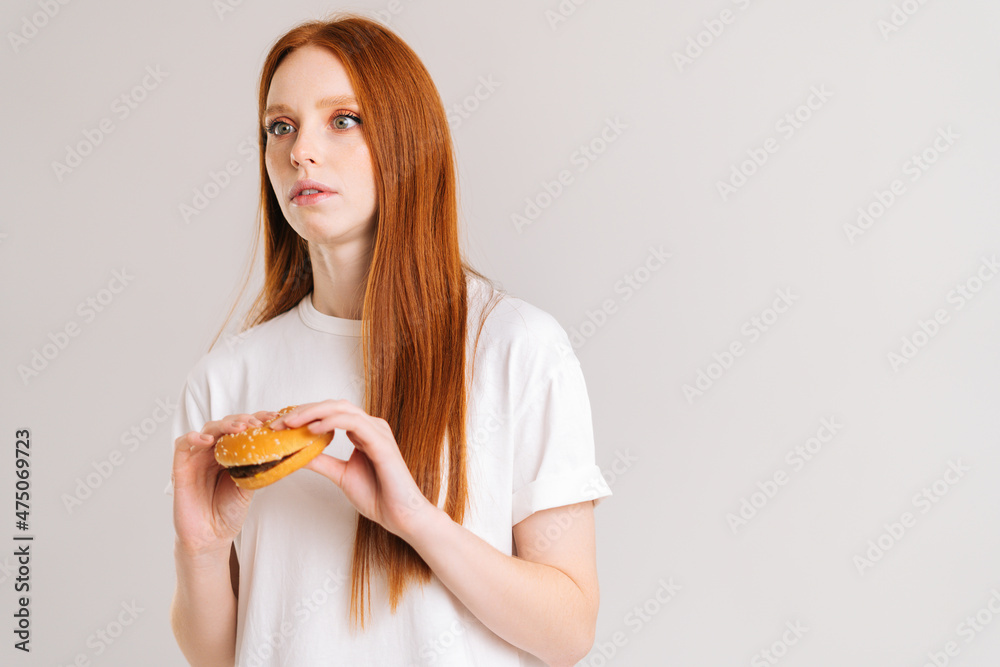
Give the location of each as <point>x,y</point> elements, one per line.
<point>203,612</point>
<point>533,606</point>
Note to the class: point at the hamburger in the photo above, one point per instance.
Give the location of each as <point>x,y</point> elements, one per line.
<point>260,455</point>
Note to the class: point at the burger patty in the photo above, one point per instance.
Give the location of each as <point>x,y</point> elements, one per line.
<point>256,469</point>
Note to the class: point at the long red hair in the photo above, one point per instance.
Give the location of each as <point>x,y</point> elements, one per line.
<point>415,302</point>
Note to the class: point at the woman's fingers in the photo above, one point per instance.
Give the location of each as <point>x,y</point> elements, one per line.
<point>187,468</point>
<point>230,424</point>
<point>196,443</point>
<point>265,415</point>
<point>190,448</point>
<point>304,414</point>
<point>209,509</point>
<point>195,440</point>
<point>190,440</point>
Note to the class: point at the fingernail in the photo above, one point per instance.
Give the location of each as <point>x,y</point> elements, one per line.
<point>205,437</point>
<point>255,422</point>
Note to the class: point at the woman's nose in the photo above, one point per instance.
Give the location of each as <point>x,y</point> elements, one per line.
<point>304,149</point>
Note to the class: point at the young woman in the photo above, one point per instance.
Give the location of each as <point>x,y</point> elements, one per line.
<point>451,519</point>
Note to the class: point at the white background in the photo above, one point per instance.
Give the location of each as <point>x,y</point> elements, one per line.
<point>678,464</point>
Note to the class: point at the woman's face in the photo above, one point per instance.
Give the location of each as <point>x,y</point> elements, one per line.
<point>314,132</point>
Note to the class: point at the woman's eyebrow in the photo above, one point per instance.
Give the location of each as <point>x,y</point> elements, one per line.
<point>331,101</point>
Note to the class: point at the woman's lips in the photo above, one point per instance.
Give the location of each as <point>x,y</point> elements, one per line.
<point>308,200</point>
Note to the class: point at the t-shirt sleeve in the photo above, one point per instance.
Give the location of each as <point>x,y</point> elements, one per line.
<point>190,416</point>
<point>554,458</point>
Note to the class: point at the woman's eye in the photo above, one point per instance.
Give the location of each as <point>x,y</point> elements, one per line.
<point>345,121</point>
<point>274,127</point>
<point>341,122</point>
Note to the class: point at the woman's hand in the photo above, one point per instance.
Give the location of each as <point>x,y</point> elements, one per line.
<point>209,509</point>
<point>375,479</point>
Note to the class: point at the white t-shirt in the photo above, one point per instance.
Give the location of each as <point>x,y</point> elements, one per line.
<point>530,447</point>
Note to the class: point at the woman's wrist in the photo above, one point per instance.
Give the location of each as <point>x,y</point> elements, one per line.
<point>208,556</point>
<point>423,523</point>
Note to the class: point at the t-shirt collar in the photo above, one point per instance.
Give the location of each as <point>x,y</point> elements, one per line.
<point>314,319</point>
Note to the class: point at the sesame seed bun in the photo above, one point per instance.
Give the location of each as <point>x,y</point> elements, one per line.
<point>260,456</point>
